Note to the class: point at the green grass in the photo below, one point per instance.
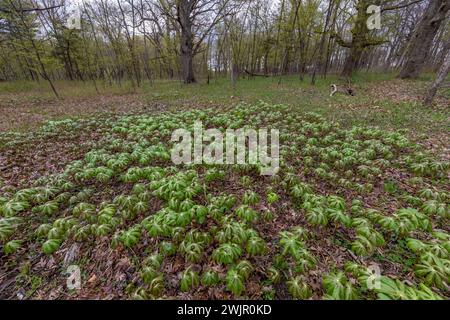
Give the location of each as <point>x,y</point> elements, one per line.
<point>374,109</point>
<point>385,113</point>
<point>68,89</point>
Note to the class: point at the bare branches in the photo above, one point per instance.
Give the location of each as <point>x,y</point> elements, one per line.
<point>400,6</point>
<point>130,39</point>
<point>223,11</point>
<point>341,41</point>
<point>35,9</point>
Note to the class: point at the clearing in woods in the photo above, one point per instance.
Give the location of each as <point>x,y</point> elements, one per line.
<point>88,181</point>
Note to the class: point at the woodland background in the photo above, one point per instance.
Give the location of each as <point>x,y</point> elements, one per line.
<point>146,40</point>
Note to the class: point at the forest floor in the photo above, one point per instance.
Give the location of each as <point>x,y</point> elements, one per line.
<point>25,106</point>
<point>33,149</point>
<point>380,100</point>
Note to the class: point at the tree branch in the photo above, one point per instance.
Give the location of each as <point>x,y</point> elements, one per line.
<point>400,6</point>
<point>341,41</point>
<point>29,9</point>
<point>374,42</point>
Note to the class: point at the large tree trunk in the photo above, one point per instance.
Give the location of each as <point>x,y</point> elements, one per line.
<point>352,61</point>
<point>187,57</point>
<point>360,40</point>
<point>420,43</point>
<point>442,56</point>
<point>440,78</point>
<point>187,41</point>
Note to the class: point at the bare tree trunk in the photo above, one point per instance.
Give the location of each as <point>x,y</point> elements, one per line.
<point>187,41</point>
<point>360,40</point>
<point>442,56</point>
<point>277,42</point>
<point>234,74</point>
<point>440,78</point>
<point>420,43</point>
<point>319,62</point>
<point>43,70</point>
<point>252,64</point>
<point>291,30</point>
<point>352,61</point>
<point>187,58</point>
<point>331,44</point>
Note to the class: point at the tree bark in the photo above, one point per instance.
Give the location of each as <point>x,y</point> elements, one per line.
<point>420,43</point>
<point>187,41</point>
<point>351,61</point>
<point>234,74</point>
<point>442,56</point>
<point>361,39</point>
<point>440,78</point>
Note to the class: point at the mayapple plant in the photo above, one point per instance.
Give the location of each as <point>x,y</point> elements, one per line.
<point>192,251</point>
<point>12,246</point>
<point>167,248</point>
<point>131,237</point>
<point>234,282</point>
<point>244,268</point>
<point>50,246</point>
<point>155,260</point>
<point>210,278</point>
<point>148,274</point>
<point>8,226</point>
<point>338,287</point>
<point>247,214</point>
<point>298,288</point>
<point>189,280</point>
<point>273,275</point>
<point>256,246</point>
<point>227,253</point>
